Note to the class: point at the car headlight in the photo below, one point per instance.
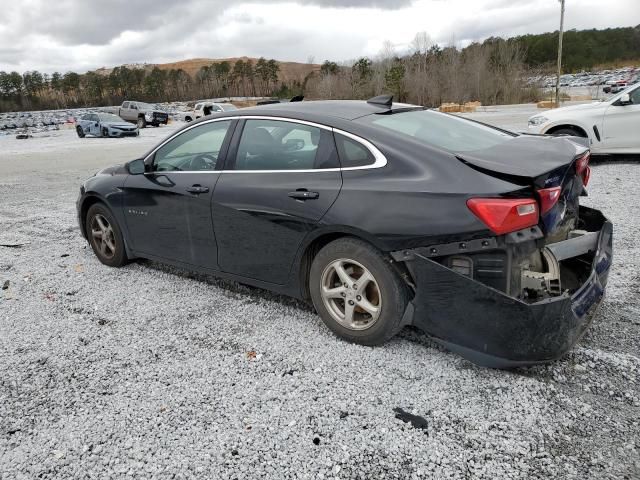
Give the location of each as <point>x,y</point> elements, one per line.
<point>538,120</point>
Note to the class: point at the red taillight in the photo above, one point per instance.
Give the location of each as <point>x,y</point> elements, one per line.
<point>582,168</point>
<point>586,175</point>
<point>504,215</point>
<point>548,198</point>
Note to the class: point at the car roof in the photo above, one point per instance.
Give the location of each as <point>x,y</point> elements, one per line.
<point>342,109</point>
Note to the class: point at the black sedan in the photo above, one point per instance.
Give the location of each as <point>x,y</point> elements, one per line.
<point>380,214</point>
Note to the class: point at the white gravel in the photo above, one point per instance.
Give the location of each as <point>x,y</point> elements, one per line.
<point>148,372</point>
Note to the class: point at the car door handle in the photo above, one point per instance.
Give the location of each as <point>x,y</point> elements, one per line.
<point>197,189</point>
<point>304,194</point>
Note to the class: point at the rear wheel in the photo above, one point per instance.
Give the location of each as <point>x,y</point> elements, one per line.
<point>356,292</point>
<point>79,131</point>
<point>105,236</point>
<point>142,123</point>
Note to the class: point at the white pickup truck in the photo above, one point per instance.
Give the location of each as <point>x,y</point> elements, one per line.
<point>203,109</point>
<point>141,113</point>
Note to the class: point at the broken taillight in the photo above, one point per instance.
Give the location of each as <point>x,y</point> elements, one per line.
<point>583,169</point>
<point>548,198</point>
<point>504,215</point>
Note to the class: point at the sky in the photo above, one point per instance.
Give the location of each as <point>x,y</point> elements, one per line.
<point>81,35</point>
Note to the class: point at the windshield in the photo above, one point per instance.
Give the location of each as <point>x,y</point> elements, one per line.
<point>109,117</point>
<point>440,130</point>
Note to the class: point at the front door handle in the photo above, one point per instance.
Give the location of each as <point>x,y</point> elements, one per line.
<point>304,194</point>
<point>197,189</point>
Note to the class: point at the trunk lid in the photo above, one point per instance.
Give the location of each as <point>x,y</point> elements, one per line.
<point>539,162</point>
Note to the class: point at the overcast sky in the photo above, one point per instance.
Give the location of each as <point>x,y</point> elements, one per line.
<point>61,35</point>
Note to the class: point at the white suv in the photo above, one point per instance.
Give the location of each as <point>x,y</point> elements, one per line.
<point>612,126</point>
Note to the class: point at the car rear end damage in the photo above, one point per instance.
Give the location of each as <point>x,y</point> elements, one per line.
<point>486,303</point>
<point>525,293</point>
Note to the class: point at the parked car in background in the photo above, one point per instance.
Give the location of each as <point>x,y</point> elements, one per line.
<point>379,214</point>
<point>612,126</point>
<point>202,109</point>
<point>105,125</point>
<point>142,114</point>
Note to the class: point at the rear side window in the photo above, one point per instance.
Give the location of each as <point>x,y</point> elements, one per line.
<point>352,153</point>
<point>278,145</point>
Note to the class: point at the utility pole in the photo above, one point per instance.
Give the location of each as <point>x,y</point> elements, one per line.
<point>559,53</point>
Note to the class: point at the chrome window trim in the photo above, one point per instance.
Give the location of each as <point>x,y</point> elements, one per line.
<point>379,162</point>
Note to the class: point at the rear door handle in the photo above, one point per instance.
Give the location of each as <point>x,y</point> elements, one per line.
<point>197,189</point>
<point>303,194</point>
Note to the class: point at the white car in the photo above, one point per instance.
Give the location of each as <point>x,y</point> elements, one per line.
<point>612,126</point>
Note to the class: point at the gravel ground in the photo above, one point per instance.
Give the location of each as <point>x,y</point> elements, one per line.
<point>148,372</point>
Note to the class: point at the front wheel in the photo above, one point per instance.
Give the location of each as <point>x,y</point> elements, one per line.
<point>568,131</point>
<point>357,293</point>
<point>142,123</point>
<point>105,236</point>
<point>79,131</point>
<point>105,132</point>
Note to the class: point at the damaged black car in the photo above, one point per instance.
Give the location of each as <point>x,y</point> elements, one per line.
<point>380,214</point>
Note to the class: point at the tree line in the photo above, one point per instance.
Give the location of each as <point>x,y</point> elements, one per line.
<point>492,72</point>
<point>582,49</point>
<point>40,91</point>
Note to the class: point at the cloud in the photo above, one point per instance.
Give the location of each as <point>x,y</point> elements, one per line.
<point>80,35</point>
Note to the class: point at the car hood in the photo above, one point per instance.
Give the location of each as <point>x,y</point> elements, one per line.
<point>526,155</point>
<point>118,124</point>
<point>559,112</point>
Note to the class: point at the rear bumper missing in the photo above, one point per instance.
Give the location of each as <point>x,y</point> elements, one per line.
<point>493,329</point>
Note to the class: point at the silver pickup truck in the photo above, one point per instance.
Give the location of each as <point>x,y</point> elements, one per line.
<point>142,114</point>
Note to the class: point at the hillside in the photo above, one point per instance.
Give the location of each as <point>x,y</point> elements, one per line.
<point>289,71</point>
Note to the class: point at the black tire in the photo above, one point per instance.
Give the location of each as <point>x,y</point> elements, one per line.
<point>142,122</point>
<point>79,131</point>
<point>568,131</point>
<point>392,291</point>
<point>188,119</point>
<point>105,132</point>
<point>111,253</point>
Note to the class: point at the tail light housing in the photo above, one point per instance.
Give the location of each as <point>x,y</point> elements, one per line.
<point>582,168</point>
<point>548,198</point>
<point>505,215</point>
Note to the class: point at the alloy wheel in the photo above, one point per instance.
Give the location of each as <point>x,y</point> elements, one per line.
<point>351,294</point>
<point>102,236</point>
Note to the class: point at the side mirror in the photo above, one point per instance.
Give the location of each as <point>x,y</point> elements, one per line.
<point>624,99</point>
<point>136,167</point>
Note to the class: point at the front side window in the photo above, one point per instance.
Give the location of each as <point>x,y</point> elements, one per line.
<point>279,145</point>
<point>440,130</point>
<point>196,149</point>
<point>125,105</point>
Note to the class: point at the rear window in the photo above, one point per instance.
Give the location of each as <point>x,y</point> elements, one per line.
<point>440,130</point>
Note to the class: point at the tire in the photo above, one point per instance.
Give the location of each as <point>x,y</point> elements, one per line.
<point>99,224</point>
<point>80,132</point>
<point>188,119</point>
<point>105,132</point>
<point>568,131</point>
<point>386,293</point>
<point>142,123</point>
